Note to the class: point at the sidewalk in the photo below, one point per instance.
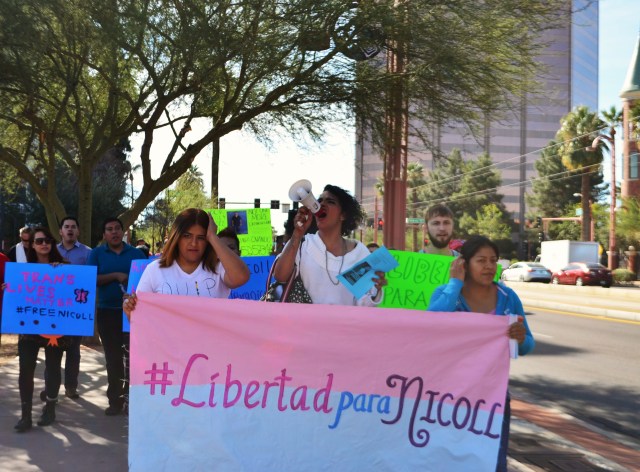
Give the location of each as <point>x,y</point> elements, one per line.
<point>82,437</point>
<point>542,439</point>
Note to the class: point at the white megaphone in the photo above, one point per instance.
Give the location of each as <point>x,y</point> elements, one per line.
<point>300,191</point>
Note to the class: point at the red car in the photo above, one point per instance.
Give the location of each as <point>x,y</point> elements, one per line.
<point>582,273</point>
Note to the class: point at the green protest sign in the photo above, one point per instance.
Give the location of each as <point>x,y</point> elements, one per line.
<point>252,225</point>
<point>414,280</point>
<point>416,277</point>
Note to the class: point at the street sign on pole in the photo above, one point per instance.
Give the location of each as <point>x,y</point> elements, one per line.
<point>414,221</point>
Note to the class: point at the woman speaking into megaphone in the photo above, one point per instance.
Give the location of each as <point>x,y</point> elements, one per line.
<point>320,257</point>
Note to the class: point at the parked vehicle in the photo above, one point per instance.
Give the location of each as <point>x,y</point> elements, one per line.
<point>527,272</point>
<point>558,254</point>
<point>582,273</point>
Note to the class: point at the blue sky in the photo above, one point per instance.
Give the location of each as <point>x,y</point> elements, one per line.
<point>619,27</point>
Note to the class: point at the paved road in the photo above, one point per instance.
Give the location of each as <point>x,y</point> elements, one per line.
<point>590,367</point>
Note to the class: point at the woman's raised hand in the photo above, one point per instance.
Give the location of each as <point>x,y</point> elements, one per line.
<point>458,269</point>
<point>212,229</point>
<point>302,221</point>
<point>129,304</point>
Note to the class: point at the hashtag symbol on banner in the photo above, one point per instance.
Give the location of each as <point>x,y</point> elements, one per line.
<point>19,309</point>
<point>163,381</point>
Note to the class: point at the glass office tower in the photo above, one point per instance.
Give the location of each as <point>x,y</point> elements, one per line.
<point>514,144</point>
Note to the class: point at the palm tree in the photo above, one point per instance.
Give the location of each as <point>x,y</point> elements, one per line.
<point>612,116</point>
<point>578,129</point>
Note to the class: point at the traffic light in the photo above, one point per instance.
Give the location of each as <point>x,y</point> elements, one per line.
<point>540,236</point>
<point>221,202</point>
<point>538,222</point>
<point>275,204</point>
<point>256,203</point>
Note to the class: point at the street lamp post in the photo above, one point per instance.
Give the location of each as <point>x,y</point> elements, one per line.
<point>611,139</point>
<point>592,229</point>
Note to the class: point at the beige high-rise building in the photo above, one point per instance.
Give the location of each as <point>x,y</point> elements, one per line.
<point>514,144</point>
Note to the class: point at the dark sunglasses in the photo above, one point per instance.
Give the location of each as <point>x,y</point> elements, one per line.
<point>40,241</point>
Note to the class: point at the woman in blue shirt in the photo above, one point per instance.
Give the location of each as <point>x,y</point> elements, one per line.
<point>472,288</point>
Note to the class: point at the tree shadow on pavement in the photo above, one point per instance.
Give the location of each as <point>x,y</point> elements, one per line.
<point>613,409</point>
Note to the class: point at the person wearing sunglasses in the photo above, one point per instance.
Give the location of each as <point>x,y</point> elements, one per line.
<point>195,261</point>
<point>18,253</point>
<point>42,251</point>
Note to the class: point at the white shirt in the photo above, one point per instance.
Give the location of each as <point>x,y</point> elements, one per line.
<point>173,280</point>
<point>320,285</point>
<point>21,254</point>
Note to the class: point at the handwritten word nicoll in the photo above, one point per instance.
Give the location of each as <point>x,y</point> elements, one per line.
<point>462,416</point>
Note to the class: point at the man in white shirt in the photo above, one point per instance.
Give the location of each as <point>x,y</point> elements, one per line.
<point>18,253</point>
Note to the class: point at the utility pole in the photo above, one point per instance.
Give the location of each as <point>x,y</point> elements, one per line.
<point>395,156</point>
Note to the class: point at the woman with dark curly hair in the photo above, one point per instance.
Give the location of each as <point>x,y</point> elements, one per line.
<point>320,257</point>
<point>43,250</point>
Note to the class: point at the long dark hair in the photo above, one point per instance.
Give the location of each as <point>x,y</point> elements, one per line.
<point>54,254</point>
<point>351,208</point>
<point>185,220</point>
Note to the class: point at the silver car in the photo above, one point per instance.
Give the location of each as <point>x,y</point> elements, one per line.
<point>527,272</point>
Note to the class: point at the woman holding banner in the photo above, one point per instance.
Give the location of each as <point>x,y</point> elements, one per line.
<point>43,250</point>
<point>472,288</point>
<point>320,257</point>
<point>194,261</point>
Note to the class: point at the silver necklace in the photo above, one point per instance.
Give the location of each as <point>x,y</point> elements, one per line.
<point>326,262</point>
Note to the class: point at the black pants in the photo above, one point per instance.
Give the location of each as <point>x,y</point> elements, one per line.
<point>113,340</point>
<point>71,364</point>
<point>28,348</point>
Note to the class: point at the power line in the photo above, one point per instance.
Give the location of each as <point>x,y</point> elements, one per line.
<point>486,169</point>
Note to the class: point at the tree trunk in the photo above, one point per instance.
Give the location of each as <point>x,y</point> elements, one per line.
<point>85,201</point>
<point>215,168</point>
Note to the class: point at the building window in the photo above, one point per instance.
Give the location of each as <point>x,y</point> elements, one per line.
<point>633,166</point>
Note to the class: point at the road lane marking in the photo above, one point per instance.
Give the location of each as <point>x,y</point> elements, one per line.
<point>580,315</point>
<point>540,335</point>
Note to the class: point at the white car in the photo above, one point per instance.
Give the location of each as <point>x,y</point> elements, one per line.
<point>527,272</point>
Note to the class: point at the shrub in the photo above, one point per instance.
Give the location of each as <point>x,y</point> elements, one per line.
<point>623,275</point>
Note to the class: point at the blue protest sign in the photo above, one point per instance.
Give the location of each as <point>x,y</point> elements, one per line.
<point>135,273</point>
<point>259,268</point>
<point>42,299</point>
<point>359,277</point>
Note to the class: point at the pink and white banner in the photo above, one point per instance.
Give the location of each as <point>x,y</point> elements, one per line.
<point>240,385</point>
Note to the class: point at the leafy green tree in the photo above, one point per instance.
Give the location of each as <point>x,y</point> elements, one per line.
<point>488,221</point>
<point>188,192</point>
<point>464,186</point>
<point>627,228</point>
<point>554,186</point>
<point>612,116</point>
<point>78,76</point>
<point>578,129</point>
